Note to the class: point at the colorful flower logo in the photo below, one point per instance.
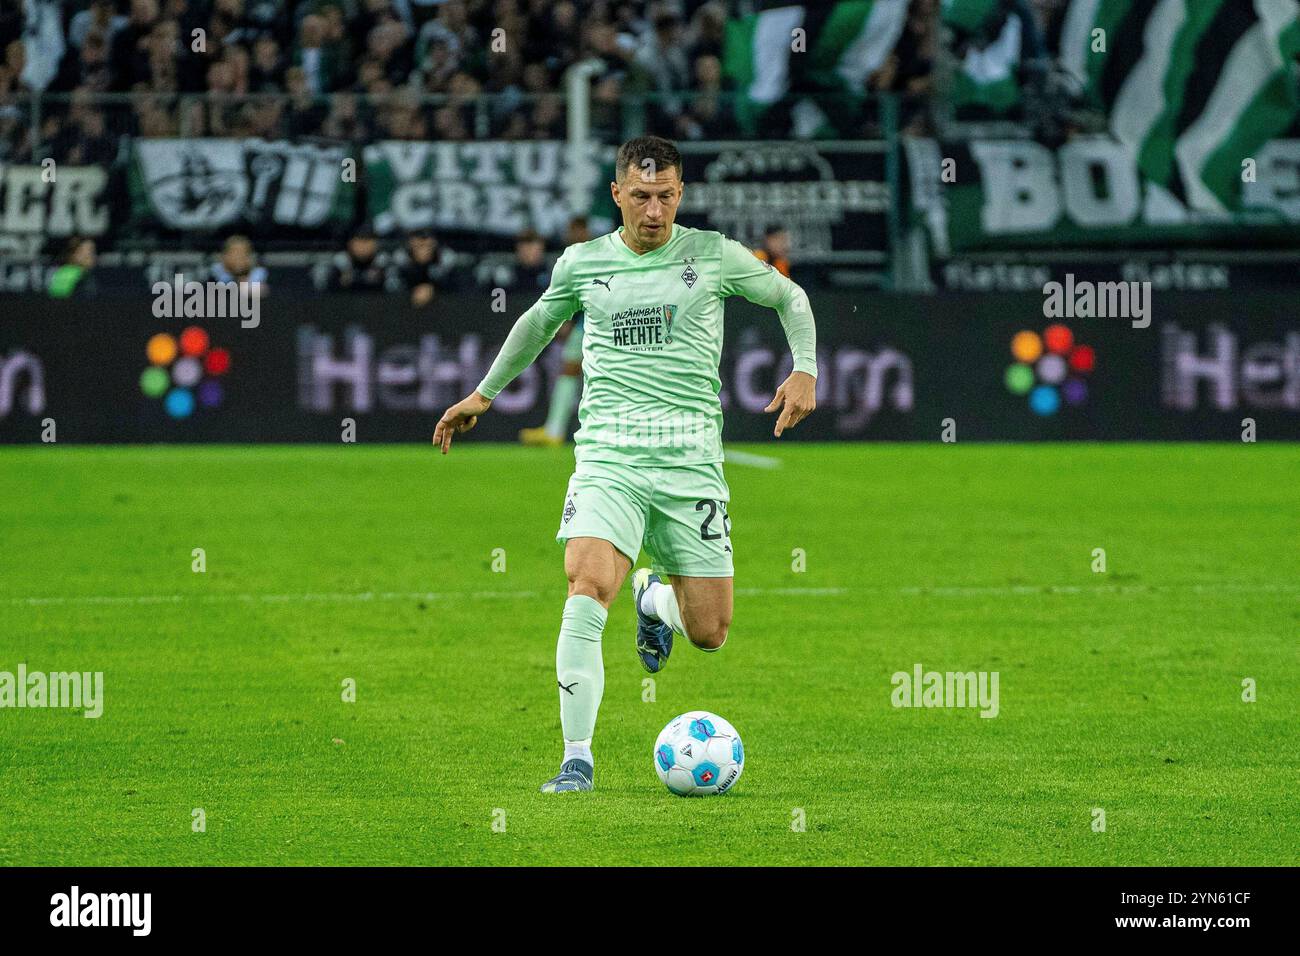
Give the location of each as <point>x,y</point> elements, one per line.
<point>184,372</point>
<point>1049,368</point>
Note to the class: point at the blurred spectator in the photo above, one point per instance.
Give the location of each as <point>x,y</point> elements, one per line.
<point>346,120</point>
<point>128,55</point>
<point>663,60</point>
<point>912,65</point>
<point>577,231</point>
<point>15,64</point>
<point>306,112</point>
<point>12,21</point>
<point>98,18</point>
<point>547,118</point>
<point>389,46</point>
<point>707,31</point>
<point>776,249</point>
<point>43,42</point>
<point>361,266</point>
<point>84,140</point>
<point>444,44</point>
<point>423,267</point>
<point>73,278</point>
<point>89,68</point>
<point>266,72</point>
<point>707,115</point>
<point>313,57</point>
<point>238,263</point>
<point>528,271</point>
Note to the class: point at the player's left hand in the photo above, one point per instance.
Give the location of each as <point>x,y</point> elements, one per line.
<point>461,417</point>
<point>796,397</point>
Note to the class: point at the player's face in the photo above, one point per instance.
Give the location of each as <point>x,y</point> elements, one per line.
<point>649,205</point>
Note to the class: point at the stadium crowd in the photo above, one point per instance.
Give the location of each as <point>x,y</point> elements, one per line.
<point>359,70</point>
<point>377,56</point>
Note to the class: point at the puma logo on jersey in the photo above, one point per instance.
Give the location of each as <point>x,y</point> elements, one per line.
<point>568,690</point>
<point>603,282</point>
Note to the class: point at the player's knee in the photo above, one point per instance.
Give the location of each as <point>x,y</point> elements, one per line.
<point>711,636</point>
<point>593,586</point>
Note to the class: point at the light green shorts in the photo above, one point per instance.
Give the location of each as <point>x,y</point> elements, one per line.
<point>678,513</point>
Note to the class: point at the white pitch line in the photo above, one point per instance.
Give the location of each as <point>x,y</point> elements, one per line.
<point>734,457</point>
<point>909,591</point>
<point>340,597</point>
<point>796,592</point>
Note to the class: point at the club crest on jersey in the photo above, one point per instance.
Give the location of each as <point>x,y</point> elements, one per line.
<point>689,276</point>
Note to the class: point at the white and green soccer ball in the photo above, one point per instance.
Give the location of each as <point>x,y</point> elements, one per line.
<point>699,754</point>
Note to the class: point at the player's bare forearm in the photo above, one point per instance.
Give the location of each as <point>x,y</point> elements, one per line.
<point>796,398</point>
<point>461,417</point>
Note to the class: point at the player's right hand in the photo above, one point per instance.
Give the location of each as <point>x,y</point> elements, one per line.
<point>461,417</point>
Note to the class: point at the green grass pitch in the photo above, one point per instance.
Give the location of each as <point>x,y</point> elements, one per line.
<point>1119,690</point>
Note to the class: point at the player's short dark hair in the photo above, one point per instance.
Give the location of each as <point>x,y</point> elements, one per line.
<point>661,152</point>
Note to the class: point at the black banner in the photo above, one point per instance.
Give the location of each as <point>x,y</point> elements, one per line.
<point>1205,367</point>
<point>834,198</point>
<point>124,905</point>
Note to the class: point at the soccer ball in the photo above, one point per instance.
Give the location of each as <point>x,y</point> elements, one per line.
<point>699,754</point>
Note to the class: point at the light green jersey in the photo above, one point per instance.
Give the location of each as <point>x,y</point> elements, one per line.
<point>653,340</point>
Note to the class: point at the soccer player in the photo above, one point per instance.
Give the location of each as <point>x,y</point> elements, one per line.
<point>649,450</point>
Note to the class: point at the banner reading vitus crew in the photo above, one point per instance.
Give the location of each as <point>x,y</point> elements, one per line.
<point>488,187</point>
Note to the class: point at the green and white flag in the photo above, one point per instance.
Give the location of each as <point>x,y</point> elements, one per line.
<point>988,74</point>
<point>1192,87</point>
<point>970,15</point>
<point>840,46</point>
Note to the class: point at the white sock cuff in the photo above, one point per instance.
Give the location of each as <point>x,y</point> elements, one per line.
<point>667,610</point>
<point>578,750</point>
<point>648,599</point>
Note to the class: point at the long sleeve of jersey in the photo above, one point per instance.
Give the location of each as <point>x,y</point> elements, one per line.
<point>533,331</point>
<point>745,275</point>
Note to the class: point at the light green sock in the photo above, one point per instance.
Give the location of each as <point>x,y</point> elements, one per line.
<point>563,397</point>
<point>579,668</point>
